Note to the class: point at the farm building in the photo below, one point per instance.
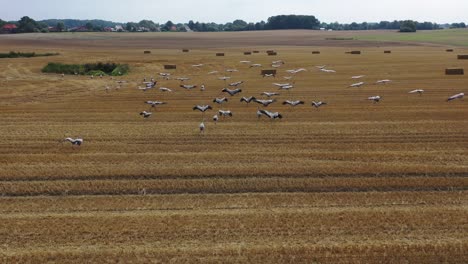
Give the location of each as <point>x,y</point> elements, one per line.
<point>8,28</point>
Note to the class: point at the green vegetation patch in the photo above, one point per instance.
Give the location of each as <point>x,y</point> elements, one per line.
<point>95,69</point>
<point>13,54</point>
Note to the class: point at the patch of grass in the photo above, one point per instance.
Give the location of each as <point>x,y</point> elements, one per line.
<point>13,54</point>
<point>88,68</point>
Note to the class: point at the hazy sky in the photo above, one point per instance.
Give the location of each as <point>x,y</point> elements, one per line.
<point>344,11</point>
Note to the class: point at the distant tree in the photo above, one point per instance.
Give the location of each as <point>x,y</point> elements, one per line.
<point>131,27</point>
<point>458,25</point>
<point>27,25</point>
<point>60,26</point>
<point>2,23</point>
<point>292,22</point>
<point>408,26</point>
<point>89,26</point>
<point>150,25</point>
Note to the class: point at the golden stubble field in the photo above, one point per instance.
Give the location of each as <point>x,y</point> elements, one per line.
<point>351,182</point>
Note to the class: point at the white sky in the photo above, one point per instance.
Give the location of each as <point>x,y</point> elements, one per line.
<point>343,11</point>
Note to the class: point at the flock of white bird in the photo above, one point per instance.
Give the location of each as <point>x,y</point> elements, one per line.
<point>235,88</point>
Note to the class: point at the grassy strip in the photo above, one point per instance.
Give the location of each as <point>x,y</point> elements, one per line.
<point>13,54</point>
<point>95,69</point>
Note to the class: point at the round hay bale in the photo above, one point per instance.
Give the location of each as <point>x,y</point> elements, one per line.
<point>247,53</point>
<point>316,52</point>
<point>185,50</point>
<point>387,51</point>
<point>256,51</point>
<point>170,67</point>
<point>463,57</point>
<point>220,54</point>
<point>449,50</point>
<point>147,52</point>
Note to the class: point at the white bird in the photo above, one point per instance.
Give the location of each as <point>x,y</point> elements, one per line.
<point>293,103</point>
<point>357,77</point>
<point>202,127</point>
<point>74,141</point>
<point>281,84</point>
<point>232,70</point>
<point>288,77</point>
<point>419,91</point>
<point>197,65</point>
<point>268,75</point>
<point>278,62</point>
<point>202,87</point>
<point>182,79</point>
<point>272,115</point>
<point>359,84</point>
<point>225,113</point>
<point>247,99</point>
<point>220,100</point>
<point>268,94</point>
<point>224,78</point>
<point>202,108</point>
<point>383,81</point>
<point>376,99</point>
<point>245,62</point>
<point>146,114</point>
<point>144,89</point>
<point>286,87</point>
<point>276,65</point>
<point>188,86</point>
<point>213,72</point>
<point>296,71</point>
<point>264,102</point>
<point>235,84</point>
<point>164,74</point>
<point>328,71</point>
<point>215,118</point>
<point>256,65</point>
<point>164,89</point>
<point>457,96</point>
<point>231,92</point>
<point>155,103</point>
<point>318,104</point>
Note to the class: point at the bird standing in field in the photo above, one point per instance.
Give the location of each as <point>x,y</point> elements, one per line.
<point>375,99</point>
<point>215,119</point>
<point>202,127</point>
<point>247,99</point>
<point>145,114</point>
<point>269,94</point>
<point>383,81</point>
<point>264,102</point>
<point>74,141</point>
<point>359,84</point>
<point>188,86</point>
<point>155,103</point>
<point>419,91</point>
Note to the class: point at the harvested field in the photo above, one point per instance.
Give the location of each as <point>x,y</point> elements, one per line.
<point>352,181</point>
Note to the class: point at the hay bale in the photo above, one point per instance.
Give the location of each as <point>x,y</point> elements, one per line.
<point>147,52</point>
<point>264,72</point>
<point>387,51</point>
<point>220,54</point>
<point>170,67</point>
<point>272,54</point>
<point>247,53</point>
<point>356,52</point>
<point>316,52</point>
<point>270,51</point>
<point>449,50</point>
<point>454,71</point>
<point>256,51</point>
<point>185,50</point>
<point>463,57</point>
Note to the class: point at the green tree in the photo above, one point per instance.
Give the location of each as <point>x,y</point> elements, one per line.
<point>60,26</point>
<point>408,26</point>
<point>27,25</point>
<point>89,26</point>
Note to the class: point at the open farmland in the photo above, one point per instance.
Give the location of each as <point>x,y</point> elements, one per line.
<point>351,182</point>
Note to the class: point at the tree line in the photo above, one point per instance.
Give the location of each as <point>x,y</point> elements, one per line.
<point>27,24</point>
